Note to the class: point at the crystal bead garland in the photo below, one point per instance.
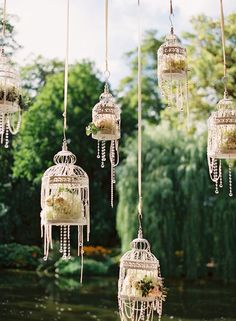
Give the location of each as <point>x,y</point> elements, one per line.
<point>105,125</point>
<point>139,267</point>
<point>172,70</point>
<point>222,130</point>
<point>64,202</point>
<point>10,93</point>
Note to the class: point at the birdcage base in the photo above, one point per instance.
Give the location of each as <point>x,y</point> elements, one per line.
<point>173,75</point>
<point>57,222</point>
<point>138,298</point>
<point>223,154</point>
<point>133,309</point>
<point>106,136</point>
<point>8,107</point>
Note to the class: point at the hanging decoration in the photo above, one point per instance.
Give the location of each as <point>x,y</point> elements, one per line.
<point>140,287</point>
<point>173,69</point>
<point>11,101</point>
<point>222,130</point>
<point>65,191</point>
<point>105,125</point>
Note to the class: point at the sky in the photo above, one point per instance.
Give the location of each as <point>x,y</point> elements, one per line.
<point>41,27</point>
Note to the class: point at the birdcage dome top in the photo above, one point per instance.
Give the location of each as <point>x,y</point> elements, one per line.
<point>106,104</point>
<point>65,166</point>
<point>225,113</point>
<point>140,256</point>
<point>171,45</point>
<point>64,157</point>
<point>226,104</point>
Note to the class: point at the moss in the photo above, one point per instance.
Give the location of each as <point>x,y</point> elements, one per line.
<point>13,95</point>
<point>174,66</point>
<point>106,126</point>
<point>228,140</point>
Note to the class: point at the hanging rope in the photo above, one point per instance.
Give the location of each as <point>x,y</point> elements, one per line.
<point>107,72</point>
<point>139,125</point>
<point>170,16</point>
<point>66,70</point>
<point>3,24</point>
<point>223,48</point>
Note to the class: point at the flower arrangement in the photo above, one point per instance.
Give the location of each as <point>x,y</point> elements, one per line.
<point>64,204</point>
<point>174,66</point>
<point>105,126</point>
<point>228,141</point>
<point>12,94</point>
<point>143,285</point>
<point>92,129</point>
<point>151,287</point>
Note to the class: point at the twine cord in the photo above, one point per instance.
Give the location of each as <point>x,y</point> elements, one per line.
<point>66,71</point>
<point>170,17</point>
<point>107,72</point>
<point>139,124</point>
<point>222,22</point>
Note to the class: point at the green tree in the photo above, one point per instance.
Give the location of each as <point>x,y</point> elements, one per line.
<point>186,223</point>
<point>128,86</point>
<point>35,73</point>
<point>206,63</point>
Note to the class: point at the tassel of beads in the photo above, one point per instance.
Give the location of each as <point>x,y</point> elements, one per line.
<point>220,174</point>
<point>98,150</point>
<point>6,136</point>
<point>215,176</point>
<point>113,172</point>
<point>103,159</point>
<point>2,127</point>
<point>230,180</point>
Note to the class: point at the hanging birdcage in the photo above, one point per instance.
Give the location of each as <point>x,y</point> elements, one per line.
<point>105,127</point>
<point>173,72</point>
<point>222,141</point>
<point>140,287</point>
<point>10,100</point>
<point>64,202</point>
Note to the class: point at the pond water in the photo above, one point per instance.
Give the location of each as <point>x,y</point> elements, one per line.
<point>27,296</point>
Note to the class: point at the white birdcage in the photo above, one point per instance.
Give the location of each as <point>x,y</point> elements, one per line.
<point>64,202</point>
<point>222,141</point>
<point>106,119</point>
<point>105,127</point>
<point>10,100</point>
<point>173,72</point>
<point>140,287</point>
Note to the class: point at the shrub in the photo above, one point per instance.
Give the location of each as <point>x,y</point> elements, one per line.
<point>15,255</point>
<point>73,267</point>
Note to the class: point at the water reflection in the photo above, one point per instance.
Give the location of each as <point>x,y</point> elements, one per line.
<point>26,296</point>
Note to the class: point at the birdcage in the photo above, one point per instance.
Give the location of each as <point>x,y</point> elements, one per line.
<point>105,127</point>
<point>106,124</point>
<point>64,202</point>
<point>140,287</point>
<point>222,141</point>
<point>173,72</point>
<point>10,100</point>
